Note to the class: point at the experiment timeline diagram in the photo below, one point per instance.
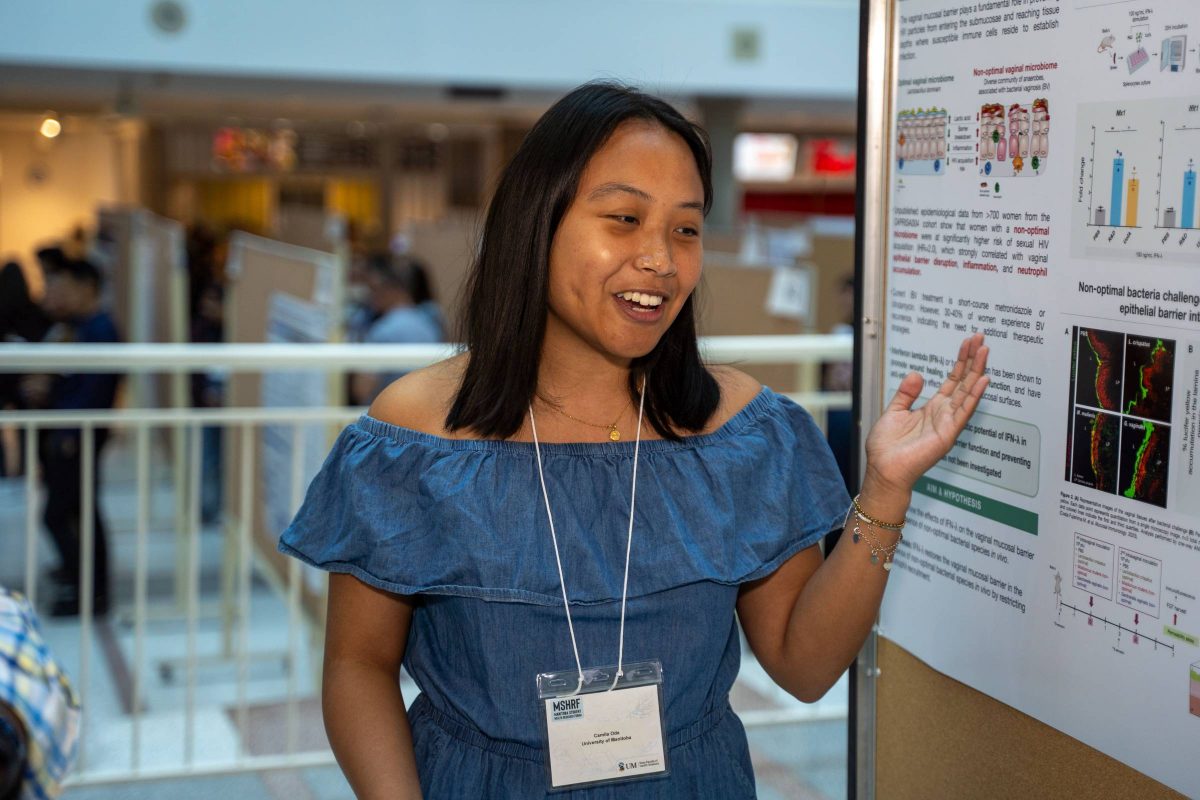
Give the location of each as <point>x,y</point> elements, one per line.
<point>1119,435</point>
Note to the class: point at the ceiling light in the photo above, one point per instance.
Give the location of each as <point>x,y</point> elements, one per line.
<point>51,127</point>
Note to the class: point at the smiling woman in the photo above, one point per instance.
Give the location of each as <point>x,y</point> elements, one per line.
<point>606,197</point>
<point>566,639</point>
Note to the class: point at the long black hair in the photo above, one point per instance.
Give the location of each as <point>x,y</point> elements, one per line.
<point>19,314</point>
<point>506,298</point>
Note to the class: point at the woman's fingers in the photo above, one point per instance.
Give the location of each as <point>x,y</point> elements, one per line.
<point>960,365</point>
<point>907,393</point>
<point>967,407</point>
<point>975,370</point>
<point>961,390</point>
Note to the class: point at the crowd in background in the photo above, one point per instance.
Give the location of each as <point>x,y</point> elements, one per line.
<point>389,301</point>
<point>69,311</point>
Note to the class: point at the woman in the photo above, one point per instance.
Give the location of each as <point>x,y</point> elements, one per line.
<point>577,489</point>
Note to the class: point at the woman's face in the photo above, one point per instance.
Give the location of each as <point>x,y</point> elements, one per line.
<point>627,253</point>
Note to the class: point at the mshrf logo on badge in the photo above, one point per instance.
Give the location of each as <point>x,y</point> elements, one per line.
<point>569,708</point>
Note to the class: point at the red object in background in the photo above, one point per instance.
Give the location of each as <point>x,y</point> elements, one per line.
<point>831,203</point>
<point>832,156</point>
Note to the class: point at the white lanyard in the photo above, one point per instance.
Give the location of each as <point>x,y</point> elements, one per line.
<point>562,582</point>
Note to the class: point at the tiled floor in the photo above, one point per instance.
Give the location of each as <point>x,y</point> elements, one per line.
<point>805,761</point>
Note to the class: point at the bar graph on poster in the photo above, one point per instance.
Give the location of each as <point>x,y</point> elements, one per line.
<point>1043,193</point>
<point>1135,195</point>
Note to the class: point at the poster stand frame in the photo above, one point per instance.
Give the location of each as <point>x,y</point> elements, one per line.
<point>914,732</point>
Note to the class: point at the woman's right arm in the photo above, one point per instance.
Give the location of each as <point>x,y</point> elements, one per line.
<point>365,635</point>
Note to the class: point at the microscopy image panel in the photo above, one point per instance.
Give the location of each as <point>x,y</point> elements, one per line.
<point>1098,368</point>
<point>1068,459</point>
<point>1149,369</point>
<point>1096,449</point>
<point>1145,456</point>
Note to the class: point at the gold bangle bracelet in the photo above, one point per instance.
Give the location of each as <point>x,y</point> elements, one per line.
<point>867,518</point>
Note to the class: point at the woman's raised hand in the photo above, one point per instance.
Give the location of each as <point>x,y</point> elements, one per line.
<point>905,441</point>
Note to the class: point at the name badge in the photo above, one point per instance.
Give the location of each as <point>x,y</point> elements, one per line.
<point>605,731</point>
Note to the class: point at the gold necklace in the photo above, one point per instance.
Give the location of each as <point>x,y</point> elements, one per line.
<point>613,434</point>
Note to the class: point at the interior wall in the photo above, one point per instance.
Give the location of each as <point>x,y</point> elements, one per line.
<point>50,186</point>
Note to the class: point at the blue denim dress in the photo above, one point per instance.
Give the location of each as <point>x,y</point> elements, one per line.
<point>461,526</point>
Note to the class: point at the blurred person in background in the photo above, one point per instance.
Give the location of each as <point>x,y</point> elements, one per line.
<point>206,308</point>
<point>39,711</point>
<point>21,320</point>
<point>72,301</point>
<point>49,259</point>
<point>399,293</point>
<point>360,314</point>
<point>208,391</point>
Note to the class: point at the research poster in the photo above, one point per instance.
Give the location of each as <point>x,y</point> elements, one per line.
<point>1043,192</point>
<point>291,320</point>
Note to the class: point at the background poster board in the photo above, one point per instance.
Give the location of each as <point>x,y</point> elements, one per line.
<point>278,292</point>
<point>291,320</point>
<point>143,256</point>
<point>1040,188</point>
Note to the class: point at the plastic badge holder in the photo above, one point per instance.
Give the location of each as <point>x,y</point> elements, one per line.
<point>562,684</point>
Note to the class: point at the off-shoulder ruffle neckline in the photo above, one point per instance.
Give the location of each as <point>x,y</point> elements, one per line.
<point>747,416</point>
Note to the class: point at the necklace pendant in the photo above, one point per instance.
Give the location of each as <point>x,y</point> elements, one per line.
<point>614,434</point>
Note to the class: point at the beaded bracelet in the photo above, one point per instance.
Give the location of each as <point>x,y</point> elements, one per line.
<point>867,518</point>
<point>877,549</point>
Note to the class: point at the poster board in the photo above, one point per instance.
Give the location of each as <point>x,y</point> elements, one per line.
<point>743,310</point>
<point>1030,174</point>
<point>971,745</point>
<point>277,292</point>
<point>146,263</point>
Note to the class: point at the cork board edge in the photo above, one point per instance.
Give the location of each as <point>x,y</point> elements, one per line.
<point>937,737</point>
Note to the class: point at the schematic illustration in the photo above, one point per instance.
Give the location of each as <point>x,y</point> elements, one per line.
<point>922,139</point>
<point>1131,39</point>
<point>1119,432</point>
<point>1173,54</point>
<point>1124,592</point>
<point>1014,140</point>
<point>1137,59</point>
<point>1121,593</point>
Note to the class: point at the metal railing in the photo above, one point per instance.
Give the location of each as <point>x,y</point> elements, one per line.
<point>240,563</point>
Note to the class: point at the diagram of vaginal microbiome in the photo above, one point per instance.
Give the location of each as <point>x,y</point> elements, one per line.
<point>1149,368</point>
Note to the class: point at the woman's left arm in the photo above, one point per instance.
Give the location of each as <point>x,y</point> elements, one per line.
<point>807,620</point>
